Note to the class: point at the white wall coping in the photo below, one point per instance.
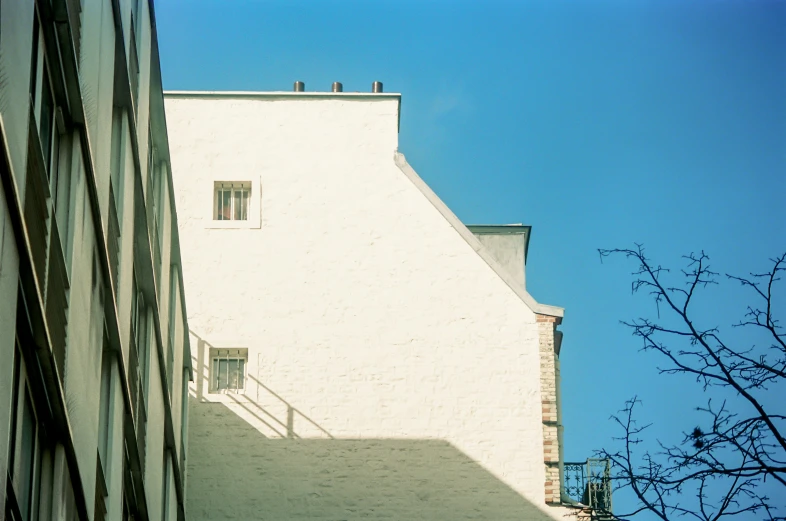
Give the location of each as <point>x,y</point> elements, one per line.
<point>278,94</point>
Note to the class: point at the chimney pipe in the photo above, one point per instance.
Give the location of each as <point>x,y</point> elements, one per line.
<point>338,87</point>
<point>300,86</point>
<point>376,87</point>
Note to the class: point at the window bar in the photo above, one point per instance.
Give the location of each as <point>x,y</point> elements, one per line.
<point>226,365</point>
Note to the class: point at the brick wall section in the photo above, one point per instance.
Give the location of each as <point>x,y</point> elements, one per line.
<point>547,325</point>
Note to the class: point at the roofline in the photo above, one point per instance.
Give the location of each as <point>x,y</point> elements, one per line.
<point>500,229</point>
<point>287,96</point>
<point>277,94</point>
<point>467,235</point>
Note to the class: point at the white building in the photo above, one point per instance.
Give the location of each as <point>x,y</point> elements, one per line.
<point>358,351</point>
<point>93,336</point>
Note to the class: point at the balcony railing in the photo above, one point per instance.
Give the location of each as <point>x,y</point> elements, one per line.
<point>589,483</point>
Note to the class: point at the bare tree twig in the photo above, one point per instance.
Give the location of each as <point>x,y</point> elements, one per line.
<point>722,463</point>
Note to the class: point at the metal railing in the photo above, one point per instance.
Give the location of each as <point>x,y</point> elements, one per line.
<point>589,483</point>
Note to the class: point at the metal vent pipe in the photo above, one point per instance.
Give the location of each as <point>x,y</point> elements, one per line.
<point>338,87</point>
<point>300,86</point>
<point>376,87</point>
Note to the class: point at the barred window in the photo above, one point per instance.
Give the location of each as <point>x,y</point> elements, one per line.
<point>228,370</point>
<point>230,202</point>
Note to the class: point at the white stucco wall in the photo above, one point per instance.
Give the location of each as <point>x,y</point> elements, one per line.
<point>391,371</point>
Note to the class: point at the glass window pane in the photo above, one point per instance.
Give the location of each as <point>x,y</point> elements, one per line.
<point>232,366</point>
<point>105,411</point>
<point>219,370</point>
<point>226,209</point>
<point>245,204</point>
<point>233,375</point>
<point>27,457</point>
<point>229,374</point>
<point>238,205</point>
<point>54,170</point>
<point>34,67</point>
<point>47,120</point>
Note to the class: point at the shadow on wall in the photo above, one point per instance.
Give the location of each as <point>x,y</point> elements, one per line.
<point>237,472</point>
<point>276,424</point>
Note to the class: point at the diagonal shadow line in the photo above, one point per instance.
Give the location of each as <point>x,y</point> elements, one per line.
<point>243,406</point>
<point>291,408</point>
<point>202,368</point>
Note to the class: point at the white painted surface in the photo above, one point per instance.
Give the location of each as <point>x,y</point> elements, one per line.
<point>403,368</point>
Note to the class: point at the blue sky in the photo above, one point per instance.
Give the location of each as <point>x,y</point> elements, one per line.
<point>598,123</point>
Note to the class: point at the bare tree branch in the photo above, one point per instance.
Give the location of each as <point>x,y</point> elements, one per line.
<point>723,463</point>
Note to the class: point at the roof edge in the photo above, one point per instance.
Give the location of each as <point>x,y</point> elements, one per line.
<point>467,235</point>
<point>288,96</point>
<point>499,229</point>
<point>278,94</point>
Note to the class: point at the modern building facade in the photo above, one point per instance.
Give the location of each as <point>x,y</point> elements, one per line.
<point>358,351</point>
<point>93,330</point>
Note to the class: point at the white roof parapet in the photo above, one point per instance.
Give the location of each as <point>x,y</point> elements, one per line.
<point>287,96</point>
<point>276,94</point>
<point>467,235</point>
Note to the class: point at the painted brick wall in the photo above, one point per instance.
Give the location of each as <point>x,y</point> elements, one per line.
<point>391,372</point>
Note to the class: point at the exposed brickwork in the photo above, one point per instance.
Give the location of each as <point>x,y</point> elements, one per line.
<point>547,326</point>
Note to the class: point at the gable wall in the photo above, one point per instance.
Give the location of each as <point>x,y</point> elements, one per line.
<point>366,316</point>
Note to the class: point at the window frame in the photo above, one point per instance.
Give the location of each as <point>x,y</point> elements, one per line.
<point>26,500</point>
<point>217,355</point>
<point>253,204</point>
<point>239,192</point>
